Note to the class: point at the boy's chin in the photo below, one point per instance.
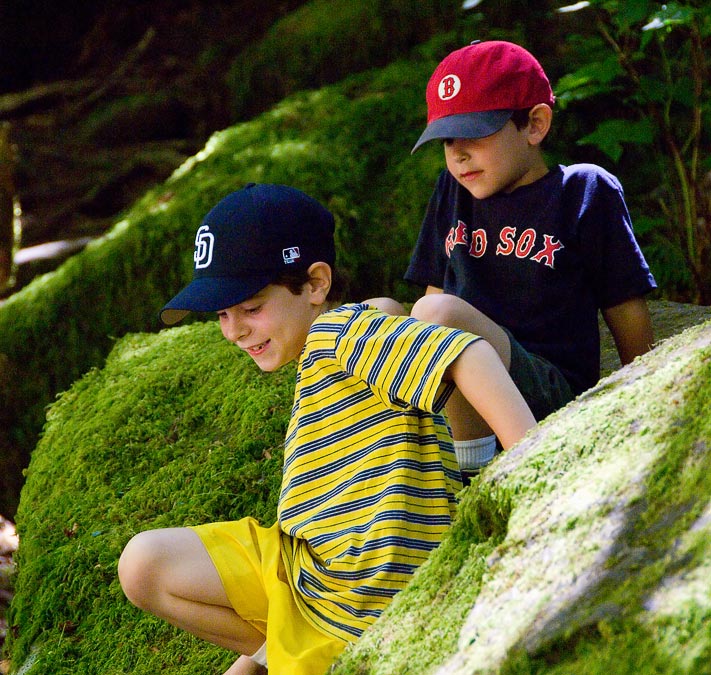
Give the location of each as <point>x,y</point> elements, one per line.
<point>268,367</point>
<point>477,192</point>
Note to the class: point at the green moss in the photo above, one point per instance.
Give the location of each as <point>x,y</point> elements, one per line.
<point>421,627</point>
<point>324,41</point>
<point>584,549</point>
<point>178,428</point>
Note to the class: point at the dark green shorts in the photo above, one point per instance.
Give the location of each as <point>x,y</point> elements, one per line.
<point>542,385</point>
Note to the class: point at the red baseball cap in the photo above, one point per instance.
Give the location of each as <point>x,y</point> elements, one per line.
<point>474,91</point>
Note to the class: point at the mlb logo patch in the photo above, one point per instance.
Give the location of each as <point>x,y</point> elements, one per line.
<point>291,254</point>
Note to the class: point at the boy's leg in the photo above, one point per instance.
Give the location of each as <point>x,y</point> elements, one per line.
<point>474,441</point>
<point>542,385</point>
<point>169,573</point>
<point>449,310</point>
<point>245,666</point>
<point>387,305</point>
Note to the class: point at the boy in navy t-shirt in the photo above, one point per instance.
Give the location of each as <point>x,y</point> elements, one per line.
<point>516,252</point>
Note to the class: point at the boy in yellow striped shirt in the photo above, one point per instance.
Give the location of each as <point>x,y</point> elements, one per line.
<point>370,475</point>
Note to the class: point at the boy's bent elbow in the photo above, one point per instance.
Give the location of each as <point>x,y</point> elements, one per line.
<point>478,357</point>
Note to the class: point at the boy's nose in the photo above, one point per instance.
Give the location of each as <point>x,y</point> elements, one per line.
<point>460,149</point>
<point>234,330</point>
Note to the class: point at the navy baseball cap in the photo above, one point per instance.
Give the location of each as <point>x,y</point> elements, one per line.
<point>247,241</point>
<point>475,90</point>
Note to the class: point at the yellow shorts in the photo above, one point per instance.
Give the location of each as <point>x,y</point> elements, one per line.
<point>248,560</point>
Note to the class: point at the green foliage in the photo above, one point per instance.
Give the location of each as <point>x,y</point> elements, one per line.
<point>649,63</point>
<point>611,134</point>
<point>325,40</point>
<point>178,428</point>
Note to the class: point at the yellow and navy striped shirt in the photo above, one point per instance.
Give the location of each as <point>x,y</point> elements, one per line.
<point>370,474</point>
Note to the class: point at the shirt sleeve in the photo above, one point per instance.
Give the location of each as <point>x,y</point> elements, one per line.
<point>402,360</point>
<point>617,268</point>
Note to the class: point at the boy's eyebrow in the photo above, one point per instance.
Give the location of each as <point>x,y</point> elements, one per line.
<point>257,296</point>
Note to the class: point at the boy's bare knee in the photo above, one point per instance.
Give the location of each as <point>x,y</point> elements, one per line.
<point>135,570</point>
<point>439,308</point>
<point>449,310</point>
<point>387,305</point>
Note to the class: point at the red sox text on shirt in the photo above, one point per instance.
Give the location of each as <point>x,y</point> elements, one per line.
<point>521,246</point>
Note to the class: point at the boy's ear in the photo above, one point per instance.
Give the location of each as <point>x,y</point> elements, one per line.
<point>319,283</point>
<point>539,123</point>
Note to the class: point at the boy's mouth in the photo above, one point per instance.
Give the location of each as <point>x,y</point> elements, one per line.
<point>470,175</point>
<point>256,350</point>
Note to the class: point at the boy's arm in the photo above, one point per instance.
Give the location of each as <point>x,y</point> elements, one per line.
<point>483,380</point>
<point>631,328</point>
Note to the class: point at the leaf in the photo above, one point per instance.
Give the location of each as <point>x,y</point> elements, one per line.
<point>588,81</point>
<point>683,92</point>
<point>653,89</point>
<point>644,224</point>
<point>580,94</point>
<point>632,12</point>
<point>602,72</point>
<point>611,134</point>
<point>670,15</point>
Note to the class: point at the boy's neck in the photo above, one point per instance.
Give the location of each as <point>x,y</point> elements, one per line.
<point>535,172</point>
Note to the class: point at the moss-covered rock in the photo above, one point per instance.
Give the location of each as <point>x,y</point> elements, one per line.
<point>585,549</point>
<point>177,428</point>
<point>324,41</point>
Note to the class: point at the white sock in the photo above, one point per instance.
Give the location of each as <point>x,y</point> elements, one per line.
<point>475,453</point>
<point>260,656</point>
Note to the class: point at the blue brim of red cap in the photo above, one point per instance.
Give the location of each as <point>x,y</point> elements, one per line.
<point>212,294</point>
<point>465,125</point>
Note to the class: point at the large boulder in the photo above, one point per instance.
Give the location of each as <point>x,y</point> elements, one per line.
<point>178,427</point>
<point>584,549</point>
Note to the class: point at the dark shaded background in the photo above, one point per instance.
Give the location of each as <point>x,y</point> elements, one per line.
<point>105,99</point>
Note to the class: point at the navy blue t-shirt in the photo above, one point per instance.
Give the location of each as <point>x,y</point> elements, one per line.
<point>539,261</point>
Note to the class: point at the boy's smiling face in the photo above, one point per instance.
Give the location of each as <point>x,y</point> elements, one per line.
<point>272,325</point>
